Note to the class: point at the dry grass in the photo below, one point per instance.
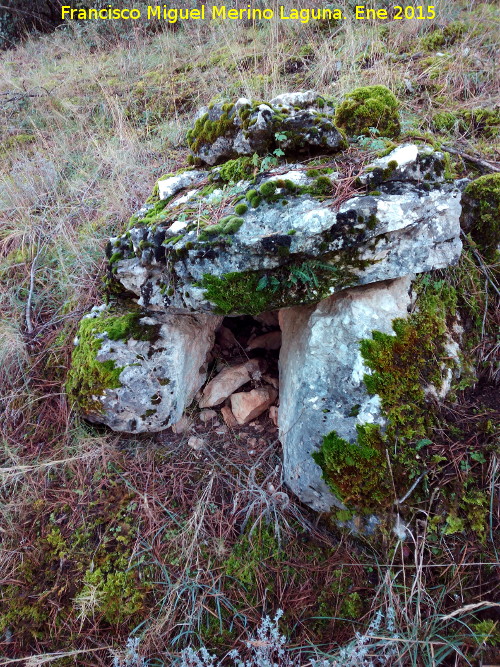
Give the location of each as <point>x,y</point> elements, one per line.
<point>90,119</point>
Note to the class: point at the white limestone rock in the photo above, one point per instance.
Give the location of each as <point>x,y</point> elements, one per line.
<point>171,185</point>
<point>159,376</point>
<point>411,225</point>
<point>321,377</point>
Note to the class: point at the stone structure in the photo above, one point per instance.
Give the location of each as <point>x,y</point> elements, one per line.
<point>206,246</point>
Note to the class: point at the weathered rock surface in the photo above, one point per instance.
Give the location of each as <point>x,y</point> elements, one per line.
<point>321,377</point>
<point>246,406</point>
<point>294,247</point>
<point>303,120</point>
<point>227,382</point>
<point>158,377</point>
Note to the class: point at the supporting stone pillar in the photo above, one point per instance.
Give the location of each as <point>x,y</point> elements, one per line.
<point>321,377</point>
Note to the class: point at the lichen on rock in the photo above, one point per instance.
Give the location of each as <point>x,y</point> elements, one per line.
<point>279,242</point>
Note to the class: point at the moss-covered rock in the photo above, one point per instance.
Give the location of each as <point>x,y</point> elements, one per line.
<point>138,373</point>
<point>89,378</point>
<point>356,473</point>
<point>369,107</point>
<point>481,213</point>
<point>288,124</point>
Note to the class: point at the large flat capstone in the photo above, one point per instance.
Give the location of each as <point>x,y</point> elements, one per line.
<point>283,240</point>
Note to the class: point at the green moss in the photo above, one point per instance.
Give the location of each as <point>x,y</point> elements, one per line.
<point>485,122</point>
<point>229,224</point>
<point>356,472</point>
<point>444,37</point>
<point>16,141</point>
<point>248,556</point>
<point>79,568</point>
<point>206,131</point>
<point>405,363</point>
<point>255,201</point>
<point>240,209</point>
<point>369,107</point>
<point>402,366</point>
<point>89,378</point>
<point>152,217</point>
<point>240,169</point>
<point>251,194</point>
<point>116,256</point>
<point>173,240</point>
<point>314,173</point>
<point>482,122</point>
<point>297,282</point>
<point>444,121</point>
<point>268,189</point>
<point>352,606</point>
<point>115,587</point>
<point>481,211</point>
<point>323,185</point>
<point>236,292</point>
<point>486,632</point>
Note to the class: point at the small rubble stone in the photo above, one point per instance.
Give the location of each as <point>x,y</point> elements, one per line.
<point>225,338</point>
<point>274,382</point>
<point>249,405</point>
<point>228,417</point>
<point>226,382</point>
<point>196,443</point>
<point>273,414</point>
<point>268,341</point>
<point>183,425</point>
<point>207,415</point>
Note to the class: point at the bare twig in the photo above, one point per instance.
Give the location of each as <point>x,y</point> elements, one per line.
<point>29,325</point>
<point>411,489</point>
<point>472,159</point>
<point>483,266</point>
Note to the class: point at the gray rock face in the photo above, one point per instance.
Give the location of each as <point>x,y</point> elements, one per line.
<point>225,131</point>
<point>171,185</point>
<point>159,378</point>
<point>321,377</point>
<point>294,247</point>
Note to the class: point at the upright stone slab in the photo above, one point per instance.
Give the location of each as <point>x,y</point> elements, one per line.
<point>321,377</point>
<point>139,374</point>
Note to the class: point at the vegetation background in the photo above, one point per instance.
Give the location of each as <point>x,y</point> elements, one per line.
<point>108,538</point>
